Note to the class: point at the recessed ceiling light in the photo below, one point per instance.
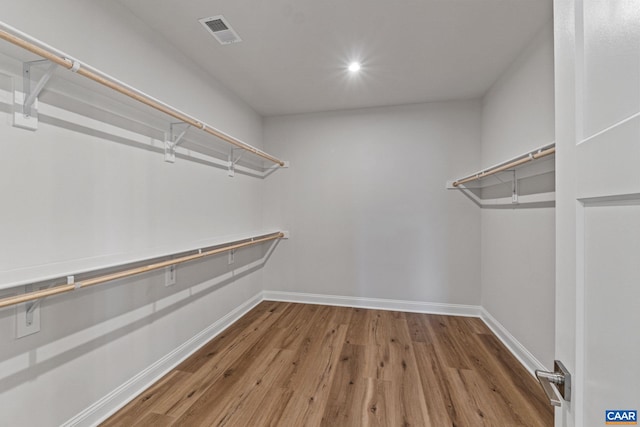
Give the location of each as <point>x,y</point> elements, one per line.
<point>354,67</point>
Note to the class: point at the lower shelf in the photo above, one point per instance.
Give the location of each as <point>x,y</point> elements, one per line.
<point>539,200</point>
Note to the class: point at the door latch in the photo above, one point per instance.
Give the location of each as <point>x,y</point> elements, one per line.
<point>561,378</point>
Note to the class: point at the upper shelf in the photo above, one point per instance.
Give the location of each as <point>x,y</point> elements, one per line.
<point>57,57</point>
<point>525,180</point>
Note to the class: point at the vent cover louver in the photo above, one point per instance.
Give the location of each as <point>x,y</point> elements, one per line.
<point>220,29</point>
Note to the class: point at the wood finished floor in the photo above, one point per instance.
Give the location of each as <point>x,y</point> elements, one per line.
<point>288,364</point>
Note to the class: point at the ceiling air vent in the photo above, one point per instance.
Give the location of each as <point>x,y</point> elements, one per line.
<point>220,29</point>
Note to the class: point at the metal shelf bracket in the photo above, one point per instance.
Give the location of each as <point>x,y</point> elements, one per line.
<point>31,307</point>
<point>232,162</point>
<point>26,102</point>
<point>173,139</point>
<point>32,95</point>
<point>28,314</point>
<point>514,188</point>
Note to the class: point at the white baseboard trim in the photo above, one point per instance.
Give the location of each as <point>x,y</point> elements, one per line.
<point>521,353</point>
<point>112,402</point>
<point>375,303</point>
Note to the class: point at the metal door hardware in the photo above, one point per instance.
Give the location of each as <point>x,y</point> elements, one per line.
<point>562,380</point>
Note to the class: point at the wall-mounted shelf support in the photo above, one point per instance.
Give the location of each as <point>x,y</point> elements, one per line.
<point>514,188</point>
<point>32,95</point>
<point>25,112</point>
<point>27,316</point>
<point>31,307</point>
<point>233,161</point>
<point>170,278</point>
<point>173,139</point>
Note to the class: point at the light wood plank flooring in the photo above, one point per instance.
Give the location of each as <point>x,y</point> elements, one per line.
<point>288,364</point>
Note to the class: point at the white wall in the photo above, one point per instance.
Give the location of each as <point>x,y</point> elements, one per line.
<point>367,206</point>
<point>518,246</point>
<point>67,194</point>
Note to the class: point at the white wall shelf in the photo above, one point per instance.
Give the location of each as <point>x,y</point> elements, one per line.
<point>13,278</point>
<point>26,111</point>
<point>126,268</point>
<point>527,180</point>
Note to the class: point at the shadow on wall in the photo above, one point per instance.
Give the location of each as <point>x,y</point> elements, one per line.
<point>81,322</point>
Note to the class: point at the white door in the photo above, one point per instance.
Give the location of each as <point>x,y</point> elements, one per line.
<point>598,206</point>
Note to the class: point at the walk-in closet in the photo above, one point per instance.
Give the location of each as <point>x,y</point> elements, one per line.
<point>290,213</point>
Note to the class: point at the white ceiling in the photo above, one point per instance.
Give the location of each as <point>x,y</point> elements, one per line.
<point>294,53</point>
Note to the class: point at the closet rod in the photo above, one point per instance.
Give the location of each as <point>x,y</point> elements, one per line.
<point>60,289</point>
<point>20,39</point>
<point>529,158</point>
